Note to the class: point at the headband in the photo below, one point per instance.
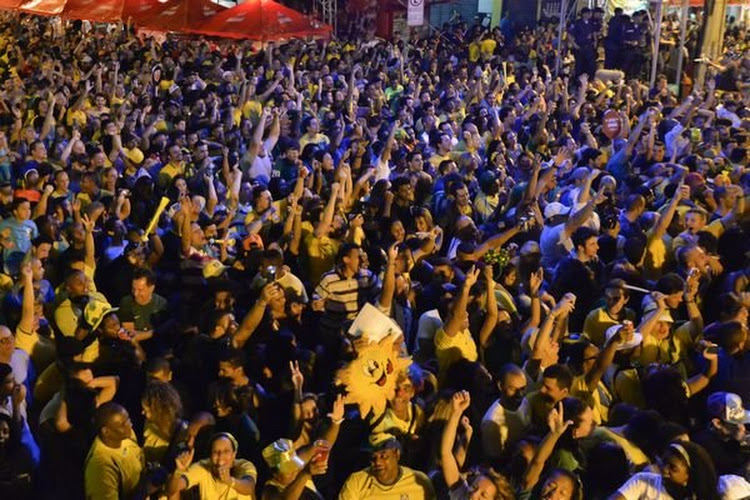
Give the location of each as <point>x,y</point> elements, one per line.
<point>225,435</point>
<point>682,452</point>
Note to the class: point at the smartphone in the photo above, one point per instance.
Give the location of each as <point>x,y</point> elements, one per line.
<point>269,273</point>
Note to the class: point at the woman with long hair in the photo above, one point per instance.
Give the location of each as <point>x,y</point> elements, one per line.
<point>162,409</point>
<point>686,473</point>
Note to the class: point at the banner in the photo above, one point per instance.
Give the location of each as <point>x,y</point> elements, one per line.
<point>415,14</point>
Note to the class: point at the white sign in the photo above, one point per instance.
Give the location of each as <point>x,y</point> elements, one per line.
<point>374,324</point>
<point>415,14</point>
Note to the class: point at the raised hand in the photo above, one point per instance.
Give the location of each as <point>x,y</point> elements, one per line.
<point>18,395</point>
<point>298,379</point>
<point>392,251</point>
<point>472,276</point>
<point>460,401</point>
<point>535,281</point>
<point>87,223</point>
<point>337,412</point>
<point>556,420</point>
<point>184,459</point>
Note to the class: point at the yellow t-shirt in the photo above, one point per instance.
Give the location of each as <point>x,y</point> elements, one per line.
<point>670,350</point>
<point>316,139</point>
<point>252,109</point>
<point>40,349</point>
<point>113,473</point>
<point>580,389</point>
<point>200,474</point>
<point>154,445</point>
<point>321,254</point>
<point>76,116</point>
<point>390,422</point>
<point>473,52</point>
<point>598,321</point>
<point>412,484</point>
<point>657,254</point>
<point>436,159</point>
<point>27,341</point>
<point>169,172</point>
<point>488,47</point>
<point>451,349</point>
<point>634,454</point>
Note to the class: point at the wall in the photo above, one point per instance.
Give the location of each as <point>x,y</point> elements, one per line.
<point>441,13</point>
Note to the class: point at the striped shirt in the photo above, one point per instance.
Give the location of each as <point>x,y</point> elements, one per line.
<point>344,297</point>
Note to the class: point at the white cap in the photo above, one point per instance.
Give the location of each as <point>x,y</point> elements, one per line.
<point>634,342</point>
<point>555,208</point>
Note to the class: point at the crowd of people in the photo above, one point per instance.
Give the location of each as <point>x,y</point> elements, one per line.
<point>189,230</point>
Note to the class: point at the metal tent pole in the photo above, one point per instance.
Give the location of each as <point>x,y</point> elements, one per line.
<point>683,29</point>
<point>657,42</point>
<point>561,30</point>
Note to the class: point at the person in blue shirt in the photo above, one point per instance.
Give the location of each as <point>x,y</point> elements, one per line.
<point>22,229</point>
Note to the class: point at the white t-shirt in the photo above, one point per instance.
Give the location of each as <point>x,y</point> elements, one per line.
<point>644,486</point>
<point>429,323</point>
<point>500,429</point>
<point>554,245</point>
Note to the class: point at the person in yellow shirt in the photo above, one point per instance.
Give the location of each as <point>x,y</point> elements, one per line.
<point>385,479</point>
<point>487,46</point>
<point>614,312</point>
<point>40,349</point>
<point>292,473</point>
<point>454,341</point>
<point>590,364</point>
<point>444,147</point>
<point>175,167</point>
<point>312,134</point>
<point>223,475</point>
<point>115,462</point>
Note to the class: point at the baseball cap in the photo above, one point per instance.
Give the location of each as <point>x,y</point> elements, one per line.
<point>213,269</point>
<point>728,407</point>
<point>134,156</point>
<point>555,208</point>
<point>95,311</point>
<point>281,455</point>
<point>384,441</point>
<point>633,343</point>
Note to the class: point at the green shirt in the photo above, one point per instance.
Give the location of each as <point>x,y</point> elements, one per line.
<point>141,315</point>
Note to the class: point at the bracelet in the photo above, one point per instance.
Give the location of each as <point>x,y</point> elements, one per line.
<point>338,421</point>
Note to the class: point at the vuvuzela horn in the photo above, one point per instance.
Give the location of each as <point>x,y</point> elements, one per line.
<point>155,219</point>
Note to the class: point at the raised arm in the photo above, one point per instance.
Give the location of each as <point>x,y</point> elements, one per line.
<point>89,245</point>
<point>26,325</point>
<point>328,213</point>
<point>253,318</point>
<point>453,326</point>
<point>490,320</point>
<point>389,280</point>
<point>558,425</point>
<point>451,472</point>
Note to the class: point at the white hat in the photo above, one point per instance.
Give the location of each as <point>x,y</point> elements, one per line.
<point>633,343</point>
<point>555,208</point>
<point>733,487</point>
